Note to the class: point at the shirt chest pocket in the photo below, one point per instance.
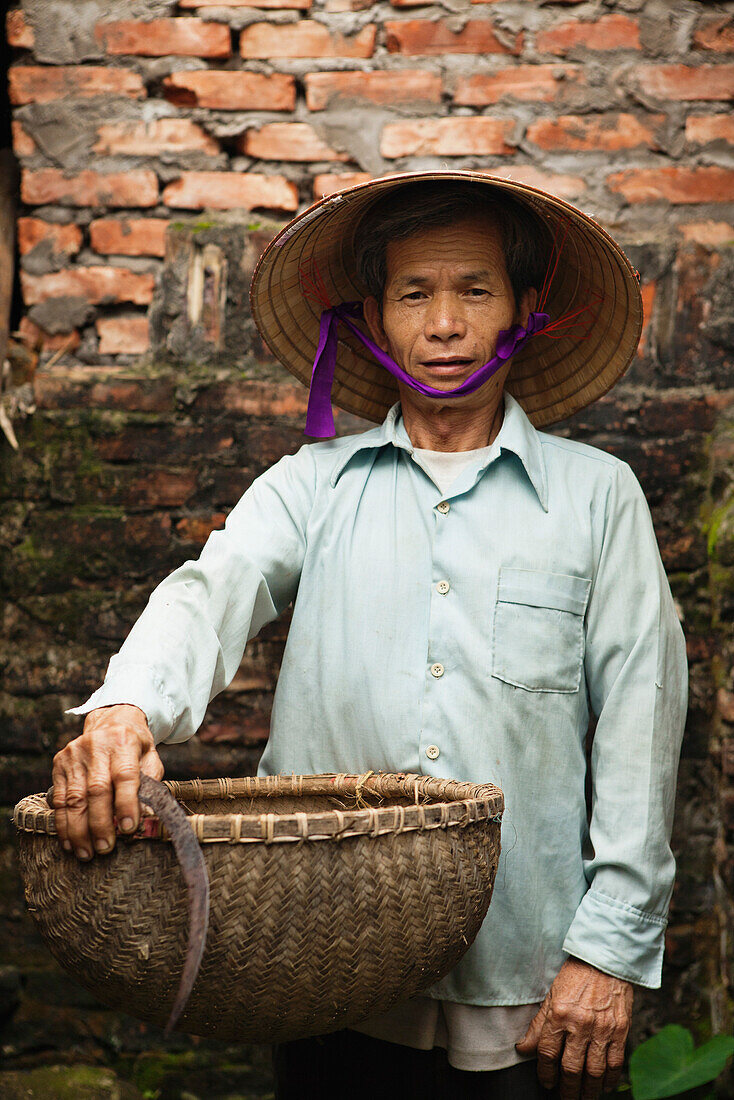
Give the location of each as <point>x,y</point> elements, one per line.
<point>538,633</point>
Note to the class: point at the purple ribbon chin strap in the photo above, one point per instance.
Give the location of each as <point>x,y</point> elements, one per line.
<point>320,419</point>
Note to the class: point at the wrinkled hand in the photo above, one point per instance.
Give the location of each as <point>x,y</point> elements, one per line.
<point>582,1024</point>
<point>97,775</point>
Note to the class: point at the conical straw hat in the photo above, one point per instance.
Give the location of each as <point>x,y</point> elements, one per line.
<point>551,376</point>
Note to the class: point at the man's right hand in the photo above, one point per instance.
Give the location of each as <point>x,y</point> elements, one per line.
<point>98,774</point>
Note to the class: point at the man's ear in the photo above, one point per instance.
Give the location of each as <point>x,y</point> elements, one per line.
<point>528,304</point>
<point>373,317</point>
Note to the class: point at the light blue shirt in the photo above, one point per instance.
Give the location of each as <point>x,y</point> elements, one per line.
<point>465,636</point>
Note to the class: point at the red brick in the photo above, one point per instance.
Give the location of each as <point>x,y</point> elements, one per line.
<point>182,444</point>
<point>231,91</point>
<point>23,143</point>
<point>725,705</point>
<point>231,191</point>
<point>149,139</point>
<point>301,5</point>
<point>184,36</point>
<point>701,129</point>
<point>129,236</point>
<point>422,36</point>
<point>682,82</point>
<point>197,529</point>
<point>228,485</point>
<point>565,187</point>
<point>240,728</point>
<point>123,335</point>
<point>305,39</point>
<point>157,488</point>
<point>674,184</point>
<point>449,137</point>
<point>19,31</point>
<point>113,388</point>
<point>34,336</point>
<point>727,767</point>
<point>328,183</point>
<point>288,141</point>
<point>267,442</point>
<point>533,83</point>
<point>96,284</point>
<point>65,239</point>
<point>710,234</point>
<point>647,293</point>
<point>609,32</point>
<point>248,398</point>
<point>716,34</point>
<point>406,86</point>
<point>134,188</point>
<point>581,133</point>
<point>38,84</point>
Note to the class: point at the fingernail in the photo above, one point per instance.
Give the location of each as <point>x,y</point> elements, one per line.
<point>66,845</point>
<point>83,853</point>
<point>102,845</point>
<point>127,824</point>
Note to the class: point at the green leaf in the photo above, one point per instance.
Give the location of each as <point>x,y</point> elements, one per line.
<point>667,1064</point>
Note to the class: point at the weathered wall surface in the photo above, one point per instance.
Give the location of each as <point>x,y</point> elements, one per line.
<point>130,118</point>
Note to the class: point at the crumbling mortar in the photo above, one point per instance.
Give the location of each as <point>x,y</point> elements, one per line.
<point>239,18</point>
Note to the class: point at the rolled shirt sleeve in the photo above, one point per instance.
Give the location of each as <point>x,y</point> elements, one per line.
<point>188,643</point>
<point>636,676</point>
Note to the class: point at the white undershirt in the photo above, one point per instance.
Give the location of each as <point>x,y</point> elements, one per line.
<point>475,1037</point>
<point>445,466</point>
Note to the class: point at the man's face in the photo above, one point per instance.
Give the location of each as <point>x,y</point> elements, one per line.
<point>447,296</point>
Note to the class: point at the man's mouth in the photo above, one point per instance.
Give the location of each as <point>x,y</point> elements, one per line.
<point>448,365</point>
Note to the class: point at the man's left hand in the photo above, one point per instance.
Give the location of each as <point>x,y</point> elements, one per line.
<point>580,1031</point>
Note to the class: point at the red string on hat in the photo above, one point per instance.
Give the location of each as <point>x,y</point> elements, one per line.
<point>312,283</point>
<point>578,322</point>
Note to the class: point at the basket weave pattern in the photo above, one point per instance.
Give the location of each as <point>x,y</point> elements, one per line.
<point>332,897</point>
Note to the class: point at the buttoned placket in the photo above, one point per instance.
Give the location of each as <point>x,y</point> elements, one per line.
<point>438,676</point>
<point>430,750</point>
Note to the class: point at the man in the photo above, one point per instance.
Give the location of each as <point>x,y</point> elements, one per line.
<point>467,591</point>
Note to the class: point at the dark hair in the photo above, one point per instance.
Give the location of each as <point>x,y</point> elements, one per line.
<point>419,206</point>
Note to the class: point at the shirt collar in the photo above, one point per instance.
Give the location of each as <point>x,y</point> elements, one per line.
<point>517,435</point>
<point>392,430</point>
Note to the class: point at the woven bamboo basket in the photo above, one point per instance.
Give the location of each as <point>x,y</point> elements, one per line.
<point>332,898</point>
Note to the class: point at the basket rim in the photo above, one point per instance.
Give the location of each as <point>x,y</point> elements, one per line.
<point>455,804</point>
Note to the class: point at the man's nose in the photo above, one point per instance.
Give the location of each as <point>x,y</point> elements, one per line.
<point>444,319</point>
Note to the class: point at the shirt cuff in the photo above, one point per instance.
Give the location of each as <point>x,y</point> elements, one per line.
<point>618,939</point>
<point>146,694</point>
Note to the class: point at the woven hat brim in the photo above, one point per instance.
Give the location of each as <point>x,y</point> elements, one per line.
<point>552,378</point>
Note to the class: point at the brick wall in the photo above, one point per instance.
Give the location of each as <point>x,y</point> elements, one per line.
<point>131,118</point>
<point>138,111</point>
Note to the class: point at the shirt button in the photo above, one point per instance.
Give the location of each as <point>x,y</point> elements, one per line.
<point>437,670</point>
<point>433,752</point>
<point>443,587</point>
<point>443,507</point>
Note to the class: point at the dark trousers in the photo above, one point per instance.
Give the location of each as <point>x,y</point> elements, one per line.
<point>349,1066</point>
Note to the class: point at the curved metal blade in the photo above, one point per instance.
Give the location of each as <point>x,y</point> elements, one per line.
<point>191,860</point>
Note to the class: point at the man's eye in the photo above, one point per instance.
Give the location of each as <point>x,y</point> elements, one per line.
<point>477,292</point>
<point>414,296</point>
